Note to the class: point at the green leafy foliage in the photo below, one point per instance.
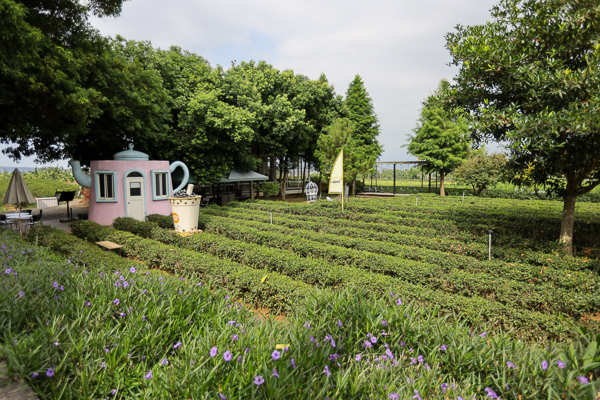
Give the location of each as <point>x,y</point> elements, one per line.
<point>529,77</point>
<point>481,171</point>
<point>440,136</point>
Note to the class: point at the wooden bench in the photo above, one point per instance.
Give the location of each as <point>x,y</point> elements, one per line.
<point>105,244</point>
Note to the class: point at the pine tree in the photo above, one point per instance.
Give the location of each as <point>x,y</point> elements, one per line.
<point>362,113</point>
<point>365,128</point>
<point>441,136</point>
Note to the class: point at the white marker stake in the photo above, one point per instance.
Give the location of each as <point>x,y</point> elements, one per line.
<point>490,257</point>
<point>463,197</point>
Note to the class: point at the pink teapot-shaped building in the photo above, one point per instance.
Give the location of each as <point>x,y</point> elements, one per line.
<point>130,185</point>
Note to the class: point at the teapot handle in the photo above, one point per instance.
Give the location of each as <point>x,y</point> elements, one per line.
<point>186,174</point>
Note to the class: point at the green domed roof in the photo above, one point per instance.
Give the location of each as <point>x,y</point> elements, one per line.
<point>131,155</point>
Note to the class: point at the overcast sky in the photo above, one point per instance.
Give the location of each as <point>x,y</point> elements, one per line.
<point>397,47</point>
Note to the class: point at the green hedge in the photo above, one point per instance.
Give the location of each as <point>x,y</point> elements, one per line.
<point>475,309</point>
<point>498,287</point>
<point>419,248</point>
<point>276,292</point>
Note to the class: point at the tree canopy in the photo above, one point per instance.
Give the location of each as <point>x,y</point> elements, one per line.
<point>531,77</point>
<point>481,170</point>
<point>441,135</point>
<point>49,61</point>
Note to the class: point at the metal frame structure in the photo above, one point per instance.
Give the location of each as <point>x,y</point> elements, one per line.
<point>394,163</point>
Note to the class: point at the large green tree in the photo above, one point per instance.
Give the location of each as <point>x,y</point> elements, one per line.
<point>358,158</point>
<point>531,77</point>
<point>290,111</point>
<point>441,135</point>
<point>48,55</point>
<point>365,129</point>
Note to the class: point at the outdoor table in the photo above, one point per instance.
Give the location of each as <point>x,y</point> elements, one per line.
<point>18,219</point>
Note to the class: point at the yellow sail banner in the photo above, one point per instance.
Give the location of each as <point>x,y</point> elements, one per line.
<point>336,181</point>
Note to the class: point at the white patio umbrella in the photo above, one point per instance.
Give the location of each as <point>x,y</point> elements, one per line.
<point>18,193</point>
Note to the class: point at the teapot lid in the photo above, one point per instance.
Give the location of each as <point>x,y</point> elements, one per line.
<point>131,155</point>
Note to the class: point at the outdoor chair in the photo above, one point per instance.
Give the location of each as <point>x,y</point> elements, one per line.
<point>5,223</point>
<point>36,216</point>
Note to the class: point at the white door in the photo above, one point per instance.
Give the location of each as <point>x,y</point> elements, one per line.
<point>135,193</point>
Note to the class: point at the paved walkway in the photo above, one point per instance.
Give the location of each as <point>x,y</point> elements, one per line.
<point>16,390</point>
<point>11,390</point>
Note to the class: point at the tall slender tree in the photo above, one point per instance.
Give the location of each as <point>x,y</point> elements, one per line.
<point>441,136</point>
<point>361,112</point>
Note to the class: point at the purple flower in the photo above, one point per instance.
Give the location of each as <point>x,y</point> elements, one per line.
<point>416,396</point>
<point>50,372</point>
<point>307,325</point>
<point>148,375</point>
<point>420,358</point>
<point>413,361</point>
<point>259,380</point>
<point>132,270</point>
<point>367,344</point>
<point>214,351</point>
<point>491,393</point>
<point>116,302</point>
<point>35,375</point>
<point>443,347</point>
<point>394,396</point>
<point>583,380</point>
<point>326,371</point>
<point>87,304</point>
<point>444,386</point>
<point>293,364</point>
<point>560,364</point>
<point>339,322</point>
<point>358,357</point>
<point>384,322</point>
<point>227,356</point>
<point>231,322</point>
<point>21,294</point>
<point>388,352</point>
<point>55,284</point>
<point>373,339</point>
<point>391,294</point>
<point>240,359</point>
<point>102,364</point>
<point>509,364</point>
<point>399,302</point>
<point>222,397</point>
<point>56,343</point>
<point>164,362</point>
<point>544,365</point>
<point>483,334</point>
<point>125,285</point>
<point>275,355</point>
<point>275,374</point>
<point>176,345</point>
<point>234,338</point>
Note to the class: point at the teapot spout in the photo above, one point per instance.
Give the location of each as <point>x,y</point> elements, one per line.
<point>81,177</point>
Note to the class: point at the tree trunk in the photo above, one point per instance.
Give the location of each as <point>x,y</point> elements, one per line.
<point>442,191</point>
<point>284,181</point>
<point>566,225</point>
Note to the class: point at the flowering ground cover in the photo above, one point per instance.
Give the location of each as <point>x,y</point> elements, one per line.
<point>79,322</point>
